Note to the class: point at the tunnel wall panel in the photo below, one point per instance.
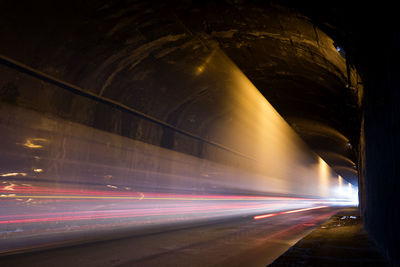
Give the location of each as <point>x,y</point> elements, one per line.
<point>242,132</point>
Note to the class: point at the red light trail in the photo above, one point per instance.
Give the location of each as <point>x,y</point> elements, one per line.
<point>258,217</point>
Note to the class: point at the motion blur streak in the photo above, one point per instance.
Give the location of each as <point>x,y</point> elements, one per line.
<point>69,179</point>
<point>300,210</point>
<point>258,217</point>
<point>264,216</point>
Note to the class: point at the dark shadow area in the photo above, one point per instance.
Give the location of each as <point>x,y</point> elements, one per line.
<point>341,241</point>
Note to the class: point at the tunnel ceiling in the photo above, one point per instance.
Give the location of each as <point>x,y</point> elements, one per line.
<point>105,46</point>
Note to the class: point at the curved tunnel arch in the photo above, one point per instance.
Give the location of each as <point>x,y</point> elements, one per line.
<point>140,54</point>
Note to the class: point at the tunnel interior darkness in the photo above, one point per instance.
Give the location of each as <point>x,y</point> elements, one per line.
<point>145,71</point>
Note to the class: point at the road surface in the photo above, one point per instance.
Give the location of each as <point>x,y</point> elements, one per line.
<point>242,241</point>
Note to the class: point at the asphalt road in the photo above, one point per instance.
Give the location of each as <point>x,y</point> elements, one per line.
<point>240,241</point>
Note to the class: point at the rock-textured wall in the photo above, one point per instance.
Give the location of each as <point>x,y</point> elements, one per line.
<point>380,157</point>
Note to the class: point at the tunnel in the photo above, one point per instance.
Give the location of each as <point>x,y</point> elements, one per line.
<point>130,118</point>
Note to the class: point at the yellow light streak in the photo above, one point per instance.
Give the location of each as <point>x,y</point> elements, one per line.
<point>12,174</point>
<point>30,142</point>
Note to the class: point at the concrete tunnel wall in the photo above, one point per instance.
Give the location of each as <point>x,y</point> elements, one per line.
<point>162,86</point>
<point>379,157</point>
<point>248,135</point>
<point>108,49</point>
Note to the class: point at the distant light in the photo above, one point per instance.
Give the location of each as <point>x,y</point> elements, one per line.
<point>349,145</point>
<point>200,70</point>
<point>340,50</point>
<point>38,170</point>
